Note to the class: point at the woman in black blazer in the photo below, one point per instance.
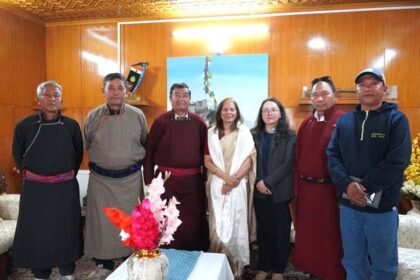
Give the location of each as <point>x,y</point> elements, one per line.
<point>275,145</point>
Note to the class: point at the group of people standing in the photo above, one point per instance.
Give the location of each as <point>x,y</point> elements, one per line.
<point>250,182</point>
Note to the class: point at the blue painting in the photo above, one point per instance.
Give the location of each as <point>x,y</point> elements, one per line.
<point>214,78</point>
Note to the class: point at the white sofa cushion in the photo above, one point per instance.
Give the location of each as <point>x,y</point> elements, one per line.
<point>409,231</point>
<point>7,233</point>
<point>408,264</point>
<point>9,206</point>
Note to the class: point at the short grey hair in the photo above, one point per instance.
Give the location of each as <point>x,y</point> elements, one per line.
<point>42,86</point>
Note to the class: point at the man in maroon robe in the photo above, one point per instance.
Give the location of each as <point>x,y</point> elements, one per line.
<point>176,144</point>
<point>318,248</point>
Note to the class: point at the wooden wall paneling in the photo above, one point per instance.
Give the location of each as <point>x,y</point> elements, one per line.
<point>22,58</point>
<point>6,132</point>
<point>356,42</point>
<point>402,29</point>
<point>6,55</point>
<point>84,113</point>
<point>236,45</point>
<point>74,113</point>
<point>289,58</point>
<point>413,115</point>
<point>181,47</point>
<point>254,44</point>
<point>64,63</point>
<point>28,60</point>
<point>150,43</point>
<point>78,114</point>
<point>17,114</point>
<point>98,58</point>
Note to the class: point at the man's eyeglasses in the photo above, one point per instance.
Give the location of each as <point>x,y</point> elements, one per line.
<point>272,110</point>
<point>326,79</point>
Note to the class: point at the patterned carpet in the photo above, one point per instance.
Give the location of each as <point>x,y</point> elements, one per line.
<point>85,266</point>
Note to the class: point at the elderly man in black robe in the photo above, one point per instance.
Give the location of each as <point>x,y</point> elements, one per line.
<point>48,150</point>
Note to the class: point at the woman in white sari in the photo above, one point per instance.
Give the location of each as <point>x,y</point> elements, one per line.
<point>231,168</point>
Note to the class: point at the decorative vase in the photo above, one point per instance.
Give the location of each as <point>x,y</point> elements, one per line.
<point>416,207</point>
<point>147,265</point>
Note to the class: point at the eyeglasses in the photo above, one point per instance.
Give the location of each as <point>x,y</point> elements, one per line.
<point>272,111</point>
<point>326,79</point>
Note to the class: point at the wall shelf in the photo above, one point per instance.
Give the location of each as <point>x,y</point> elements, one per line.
<point>138,102</point>
<point>344,101</point>
<point>348,96</point>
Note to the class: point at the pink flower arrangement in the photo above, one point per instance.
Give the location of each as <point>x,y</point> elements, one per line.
<point>152,222</point>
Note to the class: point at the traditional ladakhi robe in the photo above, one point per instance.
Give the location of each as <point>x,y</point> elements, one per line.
<point>179,145</point>
<point>49,231</point>
<point>318,249</point>
<point>114,142</point>
<point>231,214</point>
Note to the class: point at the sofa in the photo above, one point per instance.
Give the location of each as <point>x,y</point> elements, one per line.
<point>409,247</point>
<point>9,210</point>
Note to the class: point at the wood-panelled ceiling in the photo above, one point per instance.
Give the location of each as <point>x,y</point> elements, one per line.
<point>77,10</point>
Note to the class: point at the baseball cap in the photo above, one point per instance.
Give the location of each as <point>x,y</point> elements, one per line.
<point>378,74</point>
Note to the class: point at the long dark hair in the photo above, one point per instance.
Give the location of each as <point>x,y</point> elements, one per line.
<point>219,121</point>
<point>282,127</point>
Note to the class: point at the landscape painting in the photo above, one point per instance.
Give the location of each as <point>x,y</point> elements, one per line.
<point>214,78</point>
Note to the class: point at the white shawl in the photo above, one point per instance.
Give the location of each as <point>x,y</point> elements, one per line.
<point>231,210</point>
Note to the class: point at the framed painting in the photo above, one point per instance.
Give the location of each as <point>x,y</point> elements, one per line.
<point>214,78</point>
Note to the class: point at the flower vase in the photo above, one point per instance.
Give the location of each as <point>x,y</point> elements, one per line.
<point>147,265</point>
<point>416,207</point>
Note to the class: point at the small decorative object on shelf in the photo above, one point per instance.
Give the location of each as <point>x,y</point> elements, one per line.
<point>134,79</point>
<point>411,186</point>
<point>151,224</point>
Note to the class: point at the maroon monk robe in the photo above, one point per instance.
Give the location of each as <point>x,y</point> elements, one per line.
<point>180,144</point>
<point>318,249</point>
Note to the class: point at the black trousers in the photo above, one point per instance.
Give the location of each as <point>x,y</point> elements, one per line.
<point>44,273</point>
<point>273,234</point>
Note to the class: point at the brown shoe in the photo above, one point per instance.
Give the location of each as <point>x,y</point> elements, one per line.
<point>277,276</point>
<point>261,275</point>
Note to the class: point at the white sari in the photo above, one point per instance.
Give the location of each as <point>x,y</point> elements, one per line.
<point>230,215</point>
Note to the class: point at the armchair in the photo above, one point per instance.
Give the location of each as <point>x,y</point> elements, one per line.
<point>9,210</point>
<point>409,247</point>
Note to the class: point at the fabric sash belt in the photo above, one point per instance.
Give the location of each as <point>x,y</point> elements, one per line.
<point>57,178</point>
<point>179,172</point>
<point>316,180</point>
<point>121,173</point>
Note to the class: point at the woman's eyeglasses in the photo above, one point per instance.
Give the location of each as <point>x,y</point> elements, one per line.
<point>272,110</point>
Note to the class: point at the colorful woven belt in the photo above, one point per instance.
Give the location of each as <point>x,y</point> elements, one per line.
<point>57,178</point>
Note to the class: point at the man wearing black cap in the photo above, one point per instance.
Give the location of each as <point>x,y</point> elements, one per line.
<point>367,155</point>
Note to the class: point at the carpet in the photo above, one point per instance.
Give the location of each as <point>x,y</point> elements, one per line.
<point>85,266</point>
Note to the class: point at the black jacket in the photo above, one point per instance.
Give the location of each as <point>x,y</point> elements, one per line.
<point>374,146</point>
<point>279,168</point>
